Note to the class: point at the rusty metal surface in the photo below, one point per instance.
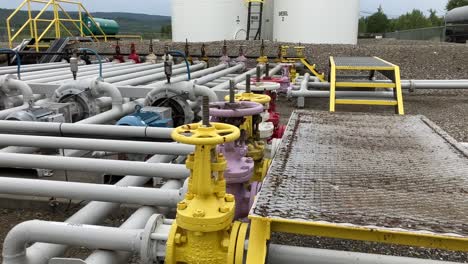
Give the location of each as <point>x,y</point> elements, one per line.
<point>368,170</point>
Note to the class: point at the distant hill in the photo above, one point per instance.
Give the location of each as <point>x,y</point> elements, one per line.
<point>150,26</point>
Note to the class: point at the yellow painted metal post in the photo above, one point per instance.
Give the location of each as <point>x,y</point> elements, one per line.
<point>332,84</point>
<point>399,93</point>
<point>56,19</point>
<point>259,235</point>
<point>81,21</point>
<point>31,27</point>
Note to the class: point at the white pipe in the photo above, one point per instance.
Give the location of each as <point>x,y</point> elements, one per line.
<point>118,146</point>
<point>35,67</point>
<point>280,254</point>
<point>137,220</point>
<point>7,84</point>
<point>225,85</point>
<point>93,237</point>
<point>90,192</point>
<point>194,75</point>
<point>214,76</point>
<point>115,167</point>
<point>200,90</point>
<point>92,213</point>
<point>147,78</point>
<point>84,130</point>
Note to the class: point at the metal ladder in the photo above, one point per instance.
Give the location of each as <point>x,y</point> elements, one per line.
<point>254,21</point>
<point>373,65</point>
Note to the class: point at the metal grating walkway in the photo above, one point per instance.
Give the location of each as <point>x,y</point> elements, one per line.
<point>387,172</point>
<point>360,62</point>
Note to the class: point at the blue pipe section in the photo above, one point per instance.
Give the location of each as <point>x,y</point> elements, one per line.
<point>185,59</point>
<point>97,56</point>
<point>18,60</point>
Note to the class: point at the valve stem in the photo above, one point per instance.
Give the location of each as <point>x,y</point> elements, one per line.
<point>231,92</point>
<point>247,83</point>
<point>267,70</point>
<point>206,111</point>
<point>259,73</point>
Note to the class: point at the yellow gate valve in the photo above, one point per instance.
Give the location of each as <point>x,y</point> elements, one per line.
<point>201,232</point>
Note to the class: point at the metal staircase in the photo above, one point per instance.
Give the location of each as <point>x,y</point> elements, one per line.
<point>254,21</point>
<point>56,46</point>
<point>373,65</point>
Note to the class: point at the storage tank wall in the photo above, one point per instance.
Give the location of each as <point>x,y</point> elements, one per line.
<point>316,21</point>
<point>208,20</point>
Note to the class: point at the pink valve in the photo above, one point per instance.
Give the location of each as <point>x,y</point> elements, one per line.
<point>240,168</point>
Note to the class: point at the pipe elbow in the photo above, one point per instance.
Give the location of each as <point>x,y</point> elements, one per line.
<point>200,90</point>
<point>100,89</point>
<point>14,246</point>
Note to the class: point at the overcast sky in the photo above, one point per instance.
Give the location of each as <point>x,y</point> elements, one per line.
<point>162,7</point>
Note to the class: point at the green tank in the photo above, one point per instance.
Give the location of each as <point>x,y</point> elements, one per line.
<point>110,27</point>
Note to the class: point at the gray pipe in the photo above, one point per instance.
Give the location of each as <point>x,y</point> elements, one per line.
<point>36,67</point>
<point>117,146</point>
<point>93,237</point>
<point>280,254</point>
<point>225,85</point>
<point>90,192</point>
<point>92,213</point>
<point>83,130</point>
<point>115,167</point>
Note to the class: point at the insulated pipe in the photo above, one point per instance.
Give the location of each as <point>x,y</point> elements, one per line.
<point>137,220</point>
<point>92,213</point>
<point>147,78</point>
<point>117,146</point>
<point>279,254</point>
<point>7,84</point>
<point>90,192</point>
<point>93,237</point>
<point>115,167</point>
<point>84,130</point>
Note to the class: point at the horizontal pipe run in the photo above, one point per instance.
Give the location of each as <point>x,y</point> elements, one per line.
<point>279,254</point>
<point>96,144</point>
<point>412,84</point>
<point>356,94</point>
<point>113,167</point>
<point>92,237</point>
<point>90,192</point>
<point>92,213</point>
<point>84,130</point>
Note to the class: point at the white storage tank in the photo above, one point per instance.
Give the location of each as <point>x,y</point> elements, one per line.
<point>316,21</point>
<point>208,20</point>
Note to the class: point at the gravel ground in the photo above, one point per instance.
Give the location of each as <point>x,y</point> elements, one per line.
<point>418,60</point>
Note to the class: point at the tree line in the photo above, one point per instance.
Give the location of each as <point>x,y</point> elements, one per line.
<point>380,23</point>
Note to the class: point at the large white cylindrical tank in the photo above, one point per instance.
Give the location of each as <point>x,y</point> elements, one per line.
<point>316,21</point>
<point>208,20</point>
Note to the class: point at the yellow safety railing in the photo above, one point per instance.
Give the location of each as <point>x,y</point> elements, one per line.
<point>57,22</point>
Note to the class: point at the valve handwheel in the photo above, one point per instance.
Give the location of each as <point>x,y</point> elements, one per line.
<point>238,109</point>
<point>258,98</point>
<point>197,134</point>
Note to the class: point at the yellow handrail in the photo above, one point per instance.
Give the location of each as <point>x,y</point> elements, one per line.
<point>57,21</point>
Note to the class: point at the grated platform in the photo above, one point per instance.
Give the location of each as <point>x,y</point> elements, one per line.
<point>397,172</point>
<point>360,62</point>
